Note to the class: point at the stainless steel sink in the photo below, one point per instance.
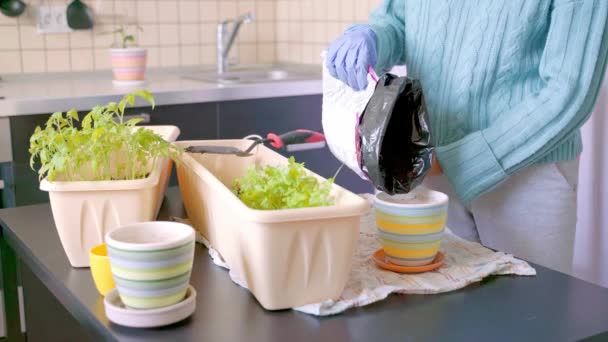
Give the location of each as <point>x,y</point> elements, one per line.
<point>262,75</point>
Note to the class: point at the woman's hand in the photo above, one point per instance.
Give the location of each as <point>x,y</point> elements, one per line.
<point>436,169</point>
<point>350,56</point>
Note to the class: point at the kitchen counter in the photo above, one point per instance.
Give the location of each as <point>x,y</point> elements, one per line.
<point>549,307</point>
<point>42,93</point>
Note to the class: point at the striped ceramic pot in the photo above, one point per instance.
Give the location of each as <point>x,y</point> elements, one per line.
<point>411,228</point>
<point>151,263</point>
<point>128,65</point>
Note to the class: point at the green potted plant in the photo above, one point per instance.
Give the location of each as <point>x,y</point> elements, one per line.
<point>128,60</point>
<point>101,172</point>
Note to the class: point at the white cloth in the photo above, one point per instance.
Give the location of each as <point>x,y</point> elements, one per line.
<point>466,263</point>
<point>531,215</point>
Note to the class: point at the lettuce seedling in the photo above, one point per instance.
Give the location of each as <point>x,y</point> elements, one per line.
<point>282,187</point>
<point>104,147</point>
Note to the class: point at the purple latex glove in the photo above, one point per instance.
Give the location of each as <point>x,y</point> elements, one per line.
<point>350,55</point>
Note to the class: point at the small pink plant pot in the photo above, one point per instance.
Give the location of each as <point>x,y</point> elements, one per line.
<point>129,65</point>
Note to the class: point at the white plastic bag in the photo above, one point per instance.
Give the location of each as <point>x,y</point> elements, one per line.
<point>342,107</point>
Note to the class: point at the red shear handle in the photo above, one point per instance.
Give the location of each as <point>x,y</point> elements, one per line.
<point>300,136</point>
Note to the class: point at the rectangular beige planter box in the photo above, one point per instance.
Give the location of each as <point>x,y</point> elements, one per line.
<point>288,257</point>
<point>84,211</point>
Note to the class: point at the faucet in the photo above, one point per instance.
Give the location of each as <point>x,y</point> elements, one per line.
<point>225,40</point>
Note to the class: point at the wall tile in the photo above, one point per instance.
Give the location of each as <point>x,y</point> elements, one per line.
<point>30,38</point>
<point>227,9</point>
<point>347,11</point>
<point>101,59</point>
<point>334,30</point>
<point>189,34</point>
<point>9,38</point>
<point>169,56</point>
<point>209,11</point>
<point>282,10</point>
<point>248,54</point>
<point>308,11</point>
<point>183,32</point>
<point>295,52</point>
<point>266,32</point>
<point>167,12</point>
<point>34,60</point>
<point>266,53</point>
<point>10,62</point>
<point>333,10</point>
<point>153,59</point>
<point>265,10</point>
<point>81,39</point>
<point>282,52</point>
<point>282,31</point>
<point>102,38</point>
<point>58,60</point>
<point>104,13</point>
<point>169,34</point>
<point>245,6</point>
<point>188,11</point>
<point>208,54</point>
<point>294,11</point>
<point>56,41</point>
<point>147,11</point>
<point>308,53</point>
<point>320,9</point>
<point>208,33</point>
<point>319,32</point>
<point>125,12</point>
<point>190,55</point>
<point>150,35</point>
<point>82,59</point>
<point>362,11</point>
<point>308,29</point>
<point>295,31</point>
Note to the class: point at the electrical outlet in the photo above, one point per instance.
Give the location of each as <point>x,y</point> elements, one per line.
<point>52,19</point>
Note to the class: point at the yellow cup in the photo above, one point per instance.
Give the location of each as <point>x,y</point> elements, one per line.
<point>100,269</point>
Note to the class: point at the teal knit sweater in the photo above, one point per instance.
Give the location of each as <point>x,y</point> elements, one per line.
<point>508,83</point>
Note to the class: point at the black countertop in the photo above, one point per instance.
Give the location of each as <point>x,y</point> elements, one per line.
<point>549,307</point>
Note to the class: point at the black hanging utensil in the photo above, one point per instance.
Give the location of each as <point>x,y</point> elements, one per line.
<point>79,16</point>
<point>12,8</point>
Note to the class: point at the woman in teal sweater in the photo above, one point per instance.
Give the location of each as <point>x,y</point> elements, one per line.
<point>508,84</point>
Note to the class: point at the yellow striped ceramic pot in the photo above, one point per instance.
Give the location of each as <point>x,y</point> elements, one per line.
<point>411,229</point>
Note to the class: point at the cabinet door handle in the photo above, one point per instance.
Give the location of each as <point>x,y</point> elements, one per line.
<point>145,117</point>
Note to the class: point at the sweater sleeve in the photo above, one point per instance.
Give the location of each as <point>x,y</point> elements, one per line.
<point>387,23</point>
<point>572,68</point>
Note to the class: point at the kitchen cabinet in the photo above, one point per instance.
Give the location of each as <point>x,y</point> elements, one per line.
<point>216,120</point>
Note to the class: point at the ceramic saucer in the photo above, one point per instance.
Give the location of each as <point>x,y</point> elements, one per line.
<point>380,259</point>
<point>121,315</point>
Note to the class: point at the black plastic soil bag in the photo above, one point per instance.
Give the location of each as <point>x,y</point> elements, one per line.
<point>396,150</point>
